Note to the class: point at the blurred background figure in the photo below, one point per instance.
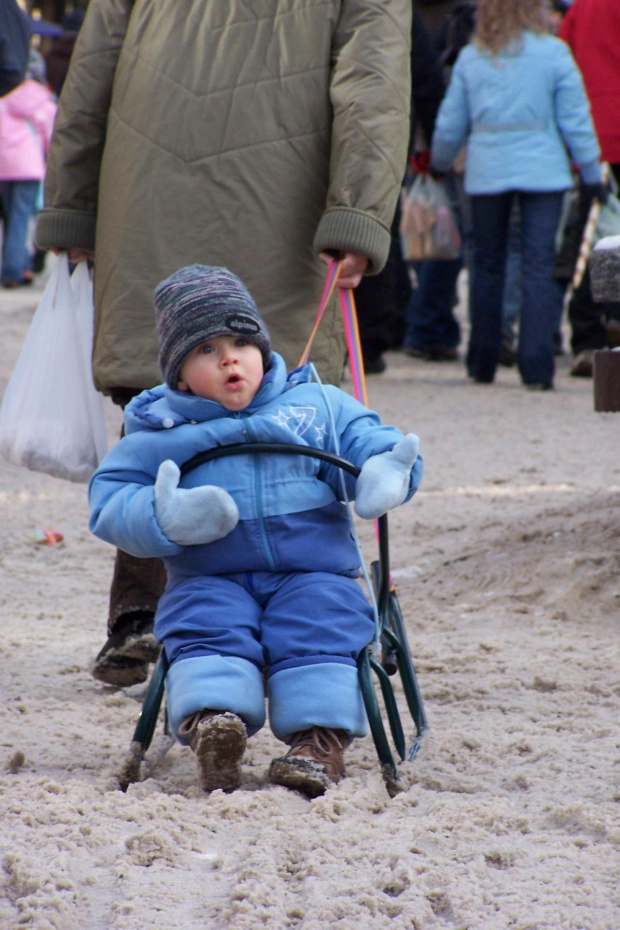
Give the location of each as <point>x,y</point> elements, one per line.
<point>432,329</point>
<point>516,98</point>
<point>26,121</point>
<point>58,56</point>
<point>555,10</point>
<point>14,45</point>
<point>592,30</point>
<point>382,300</point>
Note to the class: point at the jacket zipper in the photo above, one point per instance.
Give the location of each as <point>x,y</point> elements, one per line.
<point>259,502</point>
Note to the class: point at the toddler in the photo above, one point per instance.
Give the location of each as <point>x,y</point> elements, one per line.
<point>258,548</point>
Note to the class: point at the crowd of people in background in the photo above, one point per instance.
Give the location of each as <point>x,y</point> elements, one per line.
<point>30,83</point>
<point>409,306</point>
<point>416,312</point>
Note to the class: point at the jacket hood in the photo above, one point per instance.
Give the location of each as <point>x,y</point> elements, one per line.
<point>162,407</point>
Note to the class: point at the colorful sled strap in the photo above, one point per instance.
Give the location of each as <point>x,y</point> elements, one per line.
<point>328,289</point>
<point>351,329</point>
<point>354,345</point>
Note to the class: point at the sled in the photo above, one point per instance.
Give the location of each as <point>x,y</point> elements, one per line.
<point>394,656</point>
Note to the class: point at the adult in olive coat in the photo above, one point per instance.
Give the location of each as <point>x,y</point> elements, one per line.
<point>253,136</point>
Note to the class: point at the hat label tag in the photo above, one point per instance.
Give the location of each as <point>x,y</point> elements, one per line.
<point>245,325</point>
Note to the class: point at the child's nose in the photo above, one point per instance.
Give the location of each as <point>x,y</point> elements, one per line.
<point>229,354</point>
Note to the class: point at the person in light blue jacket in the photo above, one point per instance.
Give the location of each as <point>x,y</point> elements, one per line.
<point>516,98</point>
<point>259,552</point>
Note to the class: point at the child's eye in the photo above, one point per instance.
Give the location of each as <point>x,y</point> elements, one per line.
<point>205,349</point>
<point>240,342</point>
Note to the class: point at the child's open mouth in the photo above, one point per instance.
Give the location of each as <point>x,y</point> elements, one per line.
<point>234,379</point>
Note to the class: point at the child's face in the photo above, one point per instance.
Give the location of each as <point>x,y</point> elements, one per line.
<point>227,369</point>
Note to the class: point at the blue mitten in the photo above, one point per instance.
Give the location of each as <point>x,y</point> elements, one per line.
<point>383,482</point>
<point>192,516</point>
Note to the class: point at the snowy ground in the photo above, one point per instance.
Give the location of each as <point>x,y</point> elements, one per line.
<point>507,569</point>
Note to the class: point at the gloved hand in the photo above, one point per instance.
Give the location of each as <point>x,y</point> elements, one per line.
<point>598,191</point>
<point>420,161</point>
<point>383,482</point>
<point>192,516</point>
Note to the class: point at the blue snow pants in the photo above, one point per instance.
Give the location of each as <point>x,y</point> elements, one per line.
<point>305,630</point>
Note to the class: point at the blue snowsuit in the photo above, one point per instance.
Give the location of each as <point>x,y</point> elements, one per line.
<point>279,592</point>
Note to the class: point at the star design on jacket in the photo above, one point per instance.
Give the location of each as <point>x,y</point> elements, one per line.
<point>321,433</point>
<point>281,418</point>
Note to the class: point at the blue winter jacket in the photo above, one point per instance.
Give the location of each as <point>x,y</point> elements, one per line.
<point>518,111</point>
<point>290,513</point>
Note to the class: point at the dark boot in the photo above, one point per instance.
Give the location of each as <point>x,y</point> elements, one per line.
<point>313,763</point>
<point>124,659</point>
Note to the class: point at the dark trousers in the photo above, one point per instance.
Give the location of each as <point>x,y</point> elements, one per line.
<point>540,215</point>
<point>380,301</point>
<point>137,584</point>
<point>431,323</point>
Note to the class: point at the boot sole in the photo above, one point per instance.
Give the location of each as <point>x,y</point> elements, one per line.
<point>120,672</point>
<point>302,774</point>
<point>128,663</point>
<point>144,648</point>
<point>220,745</point>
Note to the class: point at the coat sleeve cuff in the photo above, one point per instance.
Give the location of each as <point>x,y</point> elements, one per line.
<point>592,173</point>
<point>353,231</point>
<point>65,229</point>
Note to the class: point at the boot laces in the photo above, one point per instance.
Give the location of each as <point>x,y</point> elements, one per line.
<point>318,742</point>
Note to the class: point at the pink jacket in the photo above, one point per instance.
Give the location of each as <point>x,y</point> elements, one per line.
<point>26,120</point>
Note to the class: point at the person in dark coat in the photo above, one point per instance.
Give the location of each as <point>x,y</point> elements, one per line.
<point>14,45</point>
<point>381,300</point>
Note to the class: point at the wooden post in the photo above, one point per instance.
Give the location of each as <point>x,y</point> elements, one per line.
<point>606,381</point>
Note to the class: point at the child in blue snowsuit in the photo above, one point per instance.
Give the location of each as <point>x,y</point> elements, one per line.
<point>258,549</point>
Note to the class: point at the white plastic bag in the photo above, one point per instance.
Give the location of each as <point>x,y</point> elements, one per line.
<point>51,419</point>
<point>428,228</point>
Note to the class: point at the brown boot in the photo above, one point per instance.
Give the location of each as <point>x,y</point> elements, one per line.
<point>313,763</point>
<point>583,364</point>
<point>219,740</point>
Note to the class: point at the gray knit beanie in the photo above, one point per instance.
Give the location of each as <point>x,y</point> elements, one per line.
<point>199,303</point>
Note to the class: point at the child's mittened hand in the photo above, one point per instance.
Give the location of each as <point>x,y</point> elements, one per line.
<point>192,516</point>
<point>383,482</point>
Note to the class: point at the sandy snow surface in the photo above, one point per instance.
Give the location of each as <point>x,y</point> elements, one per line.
<point>507,566</point>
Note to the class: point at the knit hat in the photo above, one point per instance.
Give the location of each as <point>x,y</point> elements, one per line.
<point>199,303</point>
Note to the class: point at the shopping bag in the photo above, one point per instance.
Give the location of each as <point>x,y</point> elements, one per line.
<point>82,288</point>
<point>51,419</point>
<point>428,227</point>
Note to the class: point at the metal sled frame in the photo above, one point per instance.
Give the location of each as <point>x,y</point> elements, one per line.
<point>395,655</point>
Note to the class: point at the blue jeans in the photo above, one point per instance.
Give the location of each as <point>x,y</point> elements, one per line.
<point>514,283</point>
<point>540,215</point>
<point>19,199</point>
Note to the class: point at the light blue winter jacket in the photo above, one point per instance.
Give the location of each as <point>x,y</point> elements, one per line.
<point>290,513</point>
<point>517,111</point>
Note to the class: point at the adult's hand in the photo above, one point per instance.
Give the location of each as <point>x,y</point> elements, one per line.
<point>76,255</point>
<point>353,266</point>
